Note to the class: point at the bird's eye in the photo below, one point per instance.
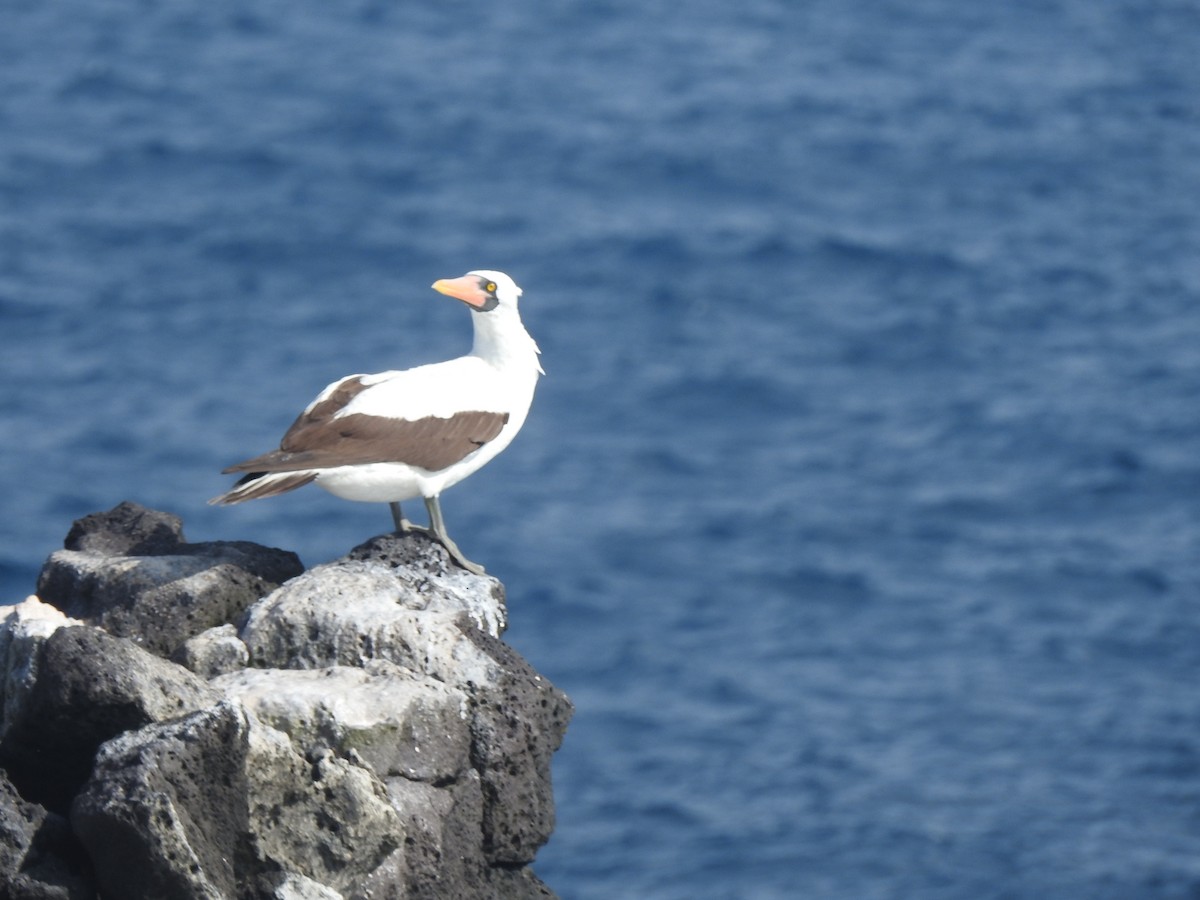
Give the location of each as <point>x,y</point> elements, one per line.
<point>491,286</point>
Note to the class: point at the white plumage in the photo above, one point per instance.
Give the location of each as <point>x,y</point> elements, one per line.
<point>397,435</point>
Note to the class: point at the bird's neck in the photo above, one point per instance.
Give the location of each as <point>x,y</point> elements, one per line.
<point>503,341</point>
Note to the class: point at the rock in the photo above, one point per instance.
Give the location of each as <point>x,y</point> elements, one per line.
<point>518,723</point>
<point>217,651</point>
<point>166,812</point>
<point>520,884</point>
<point>23,630</point>
<point>375,619</point>
<point>19,822</point>
<point>327,819</point>
<point>39,857</point>
<point>85,687</point>
<point>359,731</point>
<point>431,581</point>
<point>133,575</point>
<point>445,837</point>
<point>126,530</point>
<point>400,722</point>
<point>297,887</point>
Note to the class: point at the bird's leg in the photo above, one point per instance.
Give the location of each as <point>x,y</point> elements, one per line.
<point>438,528</point>
<point>403,526</point>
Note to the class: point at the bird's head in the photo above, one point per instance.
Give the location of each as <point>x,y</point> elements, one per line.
<point>483,290</point>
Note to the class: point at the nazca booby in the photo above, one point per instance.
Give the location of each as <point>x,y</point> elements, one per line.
<point>412,433</point>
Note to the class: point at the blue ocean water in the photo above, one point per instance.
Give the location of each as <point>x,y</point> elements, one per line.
<point>859,511</point>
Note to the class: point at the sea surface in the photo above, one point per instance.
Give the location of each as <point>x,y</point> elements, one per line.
<point>859,509</point>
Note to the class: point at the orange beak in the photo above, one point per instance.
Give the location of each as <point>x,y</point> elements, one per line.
<point>466,289</point>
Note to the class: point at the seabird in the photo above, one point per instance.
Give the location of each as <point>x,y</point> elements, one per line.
<point>409,433</point>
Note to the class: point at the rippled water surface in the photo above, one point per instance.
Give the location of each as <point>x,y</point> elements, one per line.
<point>858,511</point>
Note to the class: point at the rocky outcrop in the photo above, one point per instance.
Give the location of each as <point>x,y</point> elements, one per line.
<point>207,720</point>
<point>89,687</point>
<point>131,572</point>
<point>39,855</point>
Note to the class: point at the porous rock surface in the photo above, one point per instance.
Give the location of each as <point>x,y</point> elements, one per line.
<point>210,721</point>
<point>130,571</point>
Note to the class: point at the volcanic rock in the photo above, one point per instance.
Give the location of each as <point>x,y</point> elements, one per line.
<point>88,687</point>
<point>131,572</point>
<point>219,724</point>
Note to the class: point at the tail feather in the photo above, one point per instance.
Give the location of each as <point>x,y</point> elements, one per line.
<point>257,485</point>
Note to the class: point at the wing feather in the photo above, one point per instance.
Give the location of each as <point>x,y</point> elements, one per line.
<point>326,435</point>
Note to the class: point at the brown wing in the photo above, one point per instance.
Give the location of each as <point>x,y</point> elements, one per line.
<point>343,392</point>
<point>317,440</point>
